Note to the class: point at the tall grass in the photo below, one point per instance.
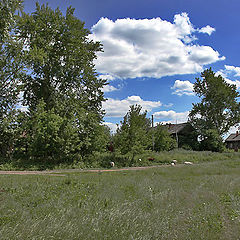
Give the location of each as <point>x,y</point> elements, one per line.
<point>102,160</point>
<point>183,202</point>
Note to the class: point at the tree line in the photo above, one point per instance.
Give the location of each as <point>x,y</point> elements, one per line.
<point>46,66</point>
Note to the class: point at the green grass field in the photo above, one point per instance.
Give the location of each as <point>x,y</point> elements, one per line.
<point>183,202</point>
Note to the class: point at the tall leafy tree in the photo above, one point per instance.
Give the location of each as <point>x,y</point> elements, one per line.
<point>60,61</point>
<point>11,74</point>
<point>11,64</point>
<point>61,89</point>
<point>219,108</point>
<point>133,133</point>
<point>162,139</point>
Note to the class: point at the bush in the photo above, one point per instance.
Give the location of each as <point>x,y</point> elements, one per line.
<point>212,141</point>
<point>162,139</point>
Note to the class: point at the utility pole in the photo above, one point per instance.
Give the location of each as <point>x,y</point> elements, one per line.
<point>152,134</point>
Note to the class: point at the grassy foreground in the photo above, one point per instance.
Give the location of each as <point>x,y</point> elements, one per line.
<point>183,202</point>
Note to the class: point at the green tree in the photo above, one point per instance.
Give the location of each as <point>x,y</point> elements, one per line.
<point>59,56</point>
<point>61,88</point>
<point>51,136</point>
<point>212,141</point>
<point>218,109</point>
<point>11,74</point>
<point>11,64</point>
<point>162,139</point>
<point>132,135</point>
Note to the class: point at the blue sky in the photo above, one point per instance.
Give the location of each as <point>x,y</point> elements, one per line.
<point>154,50</point>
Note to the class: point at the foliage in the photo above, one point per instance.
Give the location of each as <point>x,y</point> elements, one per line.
<point>50,135</point>
<point>55,138</point>
<point>60,87</point>
<point>8,133</point>
<point>218,109</point>
<point>7,10</point>
<point>11,65</point>
<point>212,141</point>
<point>102,160</point>
<point>132,135</point>
<point>162,139</point>
<point>59,56</point>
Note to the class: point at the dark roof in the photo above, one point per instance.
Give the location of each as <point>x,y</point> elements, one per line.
<point>233,138</point>
<point>176,128</point>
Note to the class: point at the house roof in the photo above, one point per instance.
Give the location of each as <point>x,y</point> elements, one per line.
<point>233,138</point>
<point>176,128</point>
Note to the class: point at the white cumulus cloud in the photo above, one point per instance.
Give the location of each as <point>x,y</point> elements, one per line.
<point>118,108</point>
<point>172,116</point>
<point>233,69</point>
<point>236,82</point>
<point>109,88</point>
<point>208,29</point>
<point>182,88</point>
<point>112,126</point>
<point>228,71</point>
<point>107,77</point>
<point>150,47</point>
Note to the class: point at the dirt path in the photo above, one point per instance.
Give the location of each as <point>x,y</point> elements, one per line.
<point>61,172</point>
<point>30,173</point>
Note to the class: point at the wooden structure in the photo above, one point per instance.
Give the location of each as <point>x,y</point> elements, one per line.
<point>184,134</point>
<point>233,141</point>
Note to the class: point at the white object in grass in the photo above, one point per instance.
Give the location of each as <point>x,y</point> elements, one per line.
<point>112,164</point>
<point>188,163</point>
<point>172,164</point>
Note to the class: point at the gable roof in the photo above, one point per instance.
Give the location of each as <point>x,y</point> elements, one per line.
<point>233,138</point>
<point>176,128</point>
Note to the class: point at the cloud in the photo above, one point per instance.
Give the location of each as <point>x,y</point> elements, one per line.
<point>232,130</point>
<point>225,73</point>
<point>221,72</point>
<point>118,108</point>
<point>235,70</point>
<point>109,88</point>
<point>182,88</point>
<point>112,126</point>
<point>208,29</point>
<point>107,77</point>
<point>172,116</point>
<point>168,105</point>
<point>236,82</point>
<point>22,108</point>
<point>203,55</point>
<point>150,47</point>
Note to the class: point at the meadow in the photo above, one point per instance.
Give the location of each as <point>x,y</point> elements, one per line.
<point>201,201</point>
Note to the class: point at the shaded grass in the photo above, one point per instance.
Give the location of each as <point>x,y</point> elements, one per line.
<point>102,160</point>
<point>183,202</point>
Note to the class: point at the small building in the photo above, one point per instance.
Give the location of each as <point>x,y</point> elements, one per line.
<point>184,133</point>
<point>233,141</point>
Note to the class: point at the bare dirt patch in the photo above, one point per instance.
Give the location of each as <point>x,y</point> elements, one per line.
<point>61,172</point>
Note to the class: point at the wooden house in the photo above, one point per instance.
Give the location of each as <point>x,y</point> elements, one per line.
<point>184,133</point>
<point>233,141</point>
